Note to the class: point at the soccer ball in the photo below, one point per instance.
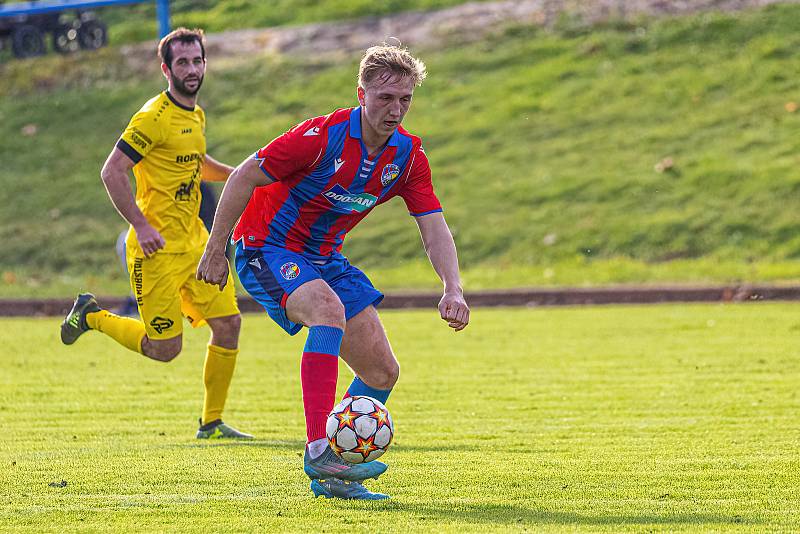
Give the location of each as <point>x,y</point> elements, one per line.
<point>359,429</point>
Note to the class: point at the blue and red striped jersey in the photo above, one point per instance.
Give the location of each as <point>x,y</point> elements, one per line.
<point>325,183</point>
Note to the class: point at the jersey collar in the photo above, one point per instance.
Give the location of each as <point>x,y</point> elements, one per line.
<point>172,99</point>
<point>355,128</point>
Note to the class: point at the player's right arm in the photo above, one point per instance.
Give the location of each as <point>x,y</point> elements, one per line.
<point>213,266</point>
<point>144,132</point>
<point>115,178</point>
<point>280,158</point>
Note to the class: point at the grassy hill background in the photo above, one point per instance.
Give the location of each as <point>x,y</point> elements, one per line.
<point>544,147</point>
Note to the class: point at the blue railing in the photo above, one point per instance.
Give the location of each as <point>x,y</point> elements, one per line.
<point>53,6</point>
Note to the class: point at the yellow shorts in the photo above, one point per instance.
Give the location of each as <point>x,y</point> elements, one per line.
<point>165,288</point>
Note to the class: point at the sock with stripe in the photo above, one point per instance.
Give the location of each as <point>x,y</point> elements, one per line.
<point>126,331</point>
<point>319,370</point>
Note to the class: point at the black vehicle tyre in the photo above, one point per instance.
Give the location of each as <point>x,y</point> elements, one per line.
<point>27,41</point>
<point>65,39</point>
<point>92,35</point>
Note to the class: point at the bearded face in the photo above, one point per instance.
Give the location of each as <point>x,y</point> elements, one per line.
<point>187,86</point>
<point>188,68</point>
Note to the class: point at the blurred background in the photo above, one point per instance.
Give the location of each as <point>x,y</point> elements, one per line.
<point>572,143</point>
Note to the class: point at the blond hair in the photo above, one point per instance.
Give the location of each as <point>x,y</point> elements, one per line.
<point>386,59</point>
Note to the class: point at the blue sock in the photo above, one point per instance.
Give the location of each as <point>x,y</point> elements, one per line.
<point>358,387</point>
<point>324,340</point>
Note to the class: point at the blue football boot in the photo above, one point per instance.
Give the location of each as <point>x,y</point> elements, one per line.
<point>328,465</point>
<point>333,488</point>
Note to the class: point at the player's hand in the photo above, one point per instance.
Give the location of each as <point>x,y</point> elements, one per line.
<point>149,239</point>
<point>453,309</point>
<point>213,269</point>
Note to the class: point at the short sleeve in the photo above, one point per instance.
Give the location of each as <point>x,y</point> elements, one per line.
<point>143,133</point>
<point>417,191</point>
<point>297,149</point>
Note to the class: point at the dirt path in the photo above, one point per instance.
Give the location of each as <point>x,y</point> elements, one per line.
<point>463,23</point>
<point>508,297</point>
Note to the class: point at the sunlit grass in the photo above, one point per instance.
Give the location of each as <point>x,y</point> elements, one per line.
<point>595,419</point>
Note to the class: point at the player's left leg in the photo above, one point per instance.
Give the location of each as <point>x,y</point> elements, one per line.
<point>217,375</point>
<point>344,489</point>
<point>366,349</point>
<point>203,303</point>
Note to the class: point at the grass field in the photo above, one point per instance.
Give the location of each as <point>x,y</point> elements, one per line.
<point>595,419</point>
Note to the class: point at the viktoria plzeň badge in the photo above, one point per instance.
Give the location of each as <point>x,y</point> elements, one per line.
<point>390,172</point>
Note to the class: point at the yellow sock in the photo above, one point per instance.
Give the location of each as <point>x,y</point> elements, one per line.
<point>126,331</point>
<point>217,374</point>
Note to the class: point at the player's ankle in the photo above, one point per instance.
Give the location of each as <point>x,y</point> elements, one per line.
<point>317,447</point>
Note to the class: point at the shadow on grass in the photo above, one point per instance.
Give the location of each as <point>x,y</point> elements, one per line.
<point>300,445</point>
<point>511,515</point>
<point>402,447</point>
<point>288,445</point>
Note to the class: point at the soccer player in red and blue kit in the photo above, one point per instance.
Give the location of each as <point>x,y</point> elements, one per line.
<point>296,199</point>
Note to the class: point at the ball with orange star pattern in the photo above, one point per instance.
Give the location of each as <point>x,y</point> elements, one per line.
<point>359,429</point>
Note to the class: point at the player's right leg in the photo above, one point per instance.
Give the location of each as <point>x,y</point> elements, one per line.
<point>315,305</point>
<point>75,324</point>
<point>291,290</point>
<point>86,314</point>
<point>158,335</point>
<point>155,283</point>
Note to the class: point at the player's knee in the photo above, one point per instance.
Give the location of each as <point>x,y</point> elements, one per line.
<point>167,354</point>
<point>384,376</point>
<point>228,327</point>
<point>392,375</point>
<point>329,311</point>
<point>163,351</point>
<point>235,324</point>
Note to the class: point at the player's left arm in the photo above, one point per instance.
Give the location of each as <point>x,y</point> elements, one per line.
<point>441,250</point>
<point>215,171</point>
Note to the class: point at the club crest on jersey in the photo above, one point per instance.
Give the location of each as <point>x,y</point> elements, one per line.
<point>345,202</point>
<point>290,270</point>
<point>390,172</point>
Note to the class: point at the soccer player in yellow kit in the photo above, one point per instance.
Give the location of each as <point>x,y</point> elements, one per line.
<point>165,147</point>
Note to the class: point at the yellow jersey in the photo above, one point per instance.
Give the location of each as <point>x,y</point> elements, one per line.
<point>166,141</point>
